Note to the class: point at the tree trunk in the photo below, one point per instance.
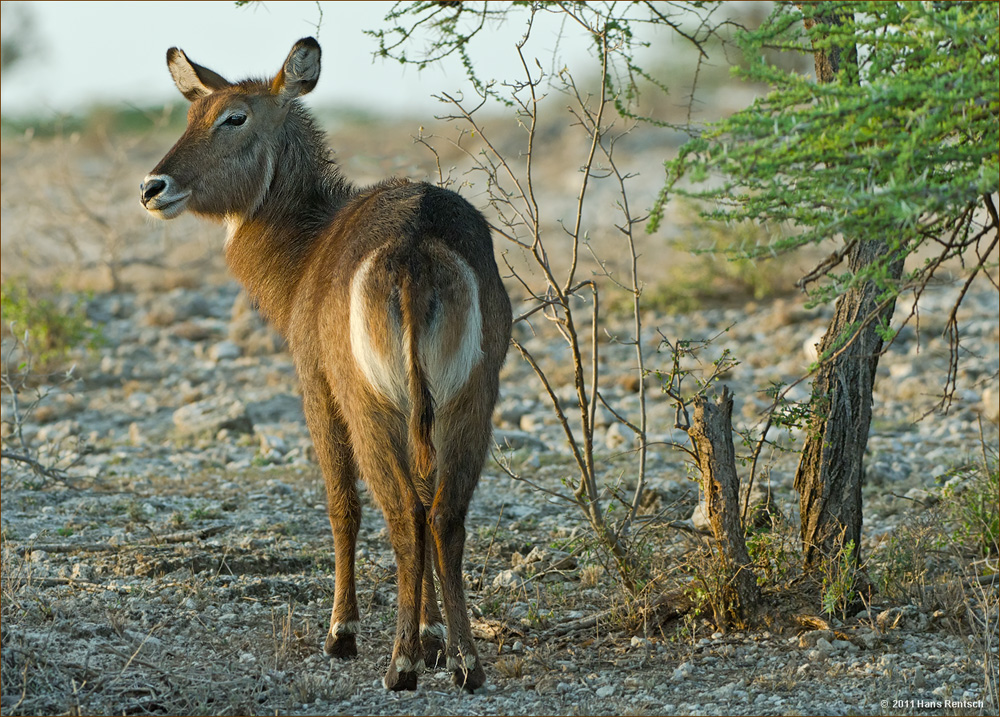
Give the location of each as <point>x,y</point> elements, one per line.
<point>711,432</point>
<point>831,472</point>
<point>831,469</point>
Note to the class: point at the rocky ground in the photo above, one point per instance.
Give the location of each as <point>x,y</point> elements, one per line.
<point>185,566</point>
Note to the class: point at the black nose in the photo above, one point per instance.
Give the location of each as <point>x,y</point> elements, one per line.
<point>148,191</point>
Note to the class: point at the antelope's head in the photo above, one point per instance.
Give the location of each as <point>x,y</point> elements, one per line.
<point>224,163</point>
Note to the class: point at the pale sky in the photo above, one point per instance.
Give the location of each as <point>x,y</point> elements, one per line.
<point>114,53</point>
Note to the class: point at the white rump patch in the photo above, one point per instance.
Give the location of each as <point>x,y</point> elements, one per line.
<point>386,374</point>
<point>446,372</point>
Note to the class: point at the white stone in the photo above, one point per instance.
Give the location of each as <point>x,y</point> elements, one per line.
<point>682,672</point>
<point>508,579</point>
<point>991,404</point>
<point>700,518</point>
<point>809,346</point>
<point>825,646</point>
<point>211,415</point>
<point>270,443</point>
<point>225,351</point>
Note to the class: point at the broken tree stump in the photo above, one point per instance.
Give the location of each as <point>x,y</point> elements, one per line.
<point>711,432</point>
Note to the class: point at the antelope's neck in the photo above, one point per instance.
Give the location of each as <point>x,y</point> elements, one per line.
<point>268,261</point>
<point>268,252</point>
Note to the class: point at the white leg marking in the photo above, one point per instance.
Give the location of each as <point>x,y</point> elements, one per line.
<point>351,627</point>
<point>405,664</point>
<point>468,662</point>
<point>435,629</point>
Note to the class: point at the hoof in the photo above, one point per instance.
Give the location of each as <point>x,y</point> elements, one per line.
<point>399,681</point>
<point>343,647</point>
<point>469,678</point>
<point>434,650</point>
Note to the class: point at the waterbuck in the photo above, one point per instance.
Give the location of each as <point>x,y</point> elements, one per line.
<point>393,309</point>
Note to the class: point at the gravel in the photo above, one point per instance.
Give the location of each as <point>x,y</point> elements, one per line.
<point>186,566</point>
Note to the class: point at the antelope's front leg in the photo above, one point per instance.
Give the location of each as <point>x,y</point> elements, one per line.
<point>433,633</point>
<point>333,450</point>
<point>345,515</point>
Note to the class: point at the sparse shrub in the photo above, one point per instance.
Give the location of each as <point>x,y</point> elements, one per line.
<point>972,511</point>
<point>24,390</point>
<point>511,667</point>
<point>590,576</point>
<point>708,589</point>
<point>901,565</point>
<point>52,328</point>
<point>717,266</point>
<point>775,554</point>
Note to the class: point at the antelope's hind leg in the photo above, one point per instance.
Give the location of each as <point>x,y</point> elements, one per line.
<point>380,446</point>
<point>463,433</point>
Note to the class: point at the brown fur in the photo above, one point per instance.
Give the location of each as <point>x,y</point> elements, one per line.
<point>299,234</point>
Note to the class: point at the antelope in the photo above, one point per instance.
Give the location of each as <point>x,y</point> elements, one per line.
<point>393,309</point>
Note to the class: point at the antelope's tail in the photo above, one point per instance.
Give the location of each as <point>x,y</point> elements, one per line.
<point>421,419</point>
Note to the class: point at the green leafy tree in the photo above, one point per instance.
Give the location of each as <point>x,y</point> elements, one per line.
<point>893,148</point>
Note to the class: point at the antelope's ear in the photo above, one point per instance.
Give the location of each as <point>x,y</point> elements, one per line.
<point>300,73</point>
<point>194,81</point>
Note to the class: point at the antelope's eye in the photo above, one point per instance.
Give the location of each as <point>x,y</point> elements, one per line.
<point>235,120</point>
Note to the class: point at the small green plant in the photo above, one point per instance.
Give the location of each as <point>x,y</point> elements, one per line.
<point>204,514</point>
<point>774,554</point>
<point>708,590</point>
<point>787,413</point>
<point>972,511</point>
<point>838,584</point>
<point>52,330</point>
<point>902,563</point>
<point>136,513</point>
